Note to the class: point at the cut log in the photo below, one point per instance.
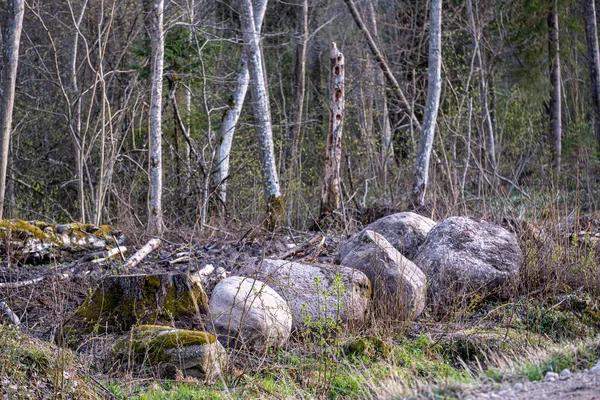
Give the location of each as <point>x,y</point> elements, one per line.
<point>142,253</point>
<point>123,301</point>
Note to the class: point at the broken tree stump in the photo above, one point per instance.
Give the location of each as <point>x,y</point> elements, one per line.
<point>120,302</point>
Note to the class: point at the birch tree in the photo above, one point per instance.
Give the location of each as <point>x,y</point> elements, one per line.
<point>11,38</point>
<point>555,77</point>
<point>434,89</point>
<point>298,89</point>
<point>155,9</point>
<point>330,195</point>
<point>262,112</point>
<point>488,127</point>
<point>591,31</point>
<point>233,112</point>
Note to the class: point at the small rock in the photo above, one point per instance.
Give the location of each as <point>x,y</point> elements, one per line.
<point>519,387</point>
<point>565,373</point>
<point>550,376</point>
<point>595,369</point>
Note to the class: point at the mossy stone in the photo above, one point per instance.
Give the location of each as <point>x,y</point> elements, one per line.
<point>369,346</point>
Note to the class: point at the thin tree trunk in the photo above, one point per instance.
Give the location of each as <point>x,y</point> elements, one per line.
<point>387,150</point>
<point>232,114</point>
<point>11,38</point>
<point>330,195</point>
<point>591,31</point>
<point>394,85</point>
<point>433,102</point>
<point>298,90</point>
<point>262,112</point>
<point>488,128</point>
<point>555,77</point>
<point>155,27</point>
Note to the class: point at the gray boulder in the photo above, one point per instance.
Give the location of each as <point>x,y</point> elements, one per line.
<point>246,312</point>
<point>464,256</point>
<point>399,286</point>
<point>196,354</point>
<point>406,231</point>
<point>316,292</point>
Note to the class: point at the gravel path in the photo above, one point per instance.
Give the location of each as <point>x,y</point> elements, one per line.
<point>564,386</point>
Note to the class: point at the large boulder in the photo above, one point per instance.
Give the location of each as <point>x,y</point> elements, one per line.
<point>246,312</point>
<point>316,293</point>
<point>463,256</point>
<point>196,354</point>
<point>399,286</point>
<point>406,231</point>
<point>121,301</point>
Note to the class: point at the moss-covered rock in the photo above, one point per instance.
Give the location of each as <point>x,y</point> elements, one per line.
<point>33,241</point>
<point>34,369</point>
<point>197,354</point>
<point>119,302</point>
<point>369,346</point>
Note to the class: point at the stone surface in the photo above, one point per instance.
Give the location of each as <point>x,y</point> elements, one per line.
<point>196,354</point>
<point>399,286</point>
<point>406,231</point>
<point>248,313</point>
<point>315,292</point>
<point>463,256</point>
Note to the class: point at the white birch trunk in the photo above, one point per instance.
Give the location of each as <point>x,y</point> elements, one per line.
<point>434,89</point>
<point>330,195</point>
<point>555,78</point>
<point>11,38</point>
<point>262,112</point>
<point>155,26</point>
<point>233,113</point>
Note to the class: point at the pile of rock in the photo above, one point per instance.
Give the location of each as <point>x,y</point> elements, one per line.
<point>398,266</point>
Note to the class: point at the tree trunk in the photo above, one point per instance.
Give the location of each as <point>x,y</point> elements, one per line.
<point>298,89</point>
<point>11,38</point>
<point>555,97</point>
<point>591,31</point>
<point>233,113</point>
<point>394,85</point>
<point>262,112</point>
<point>155,27</point>
<point>330,195</point>
<point>433,102</point>
<point>488,127</point>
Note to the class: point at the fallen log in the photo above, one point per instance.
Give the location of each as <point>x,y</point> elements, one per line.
<point>141,253</point>
<point>34,241</point>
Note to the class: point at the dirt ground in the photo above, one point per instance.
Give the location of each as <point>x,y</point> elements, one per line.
<point>578,386</point>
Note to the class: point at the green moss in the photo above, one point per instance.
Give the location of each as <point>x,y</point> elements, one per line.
<point>152,342</point>
<point>369,346</point>
<point>36,369</point>
<point>16,225</point>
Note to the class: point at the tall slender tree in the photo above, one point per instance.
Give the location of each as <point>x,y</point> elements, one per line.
<point>555,78</point>
<point>11,38</point>
<point>434,90</point>
<point>155,10</point>
<point>330,194</point>
<point>262,111</point>
<point>232,114</point>
<point>591,31</point>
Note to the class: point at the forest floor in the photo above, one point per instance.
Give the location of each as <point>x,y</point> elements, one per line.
<point>496,350</point>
